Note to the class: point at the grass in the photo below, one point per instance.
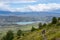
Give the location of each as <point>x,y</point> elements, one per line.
<point>14,28</point>
<point>52,32</point>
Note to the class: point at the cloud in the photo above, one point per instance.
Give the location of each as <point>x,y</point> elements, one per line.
<point>17,1</point>
<point>4,6</point>
<point>45,7</point>
<point>37,7</point>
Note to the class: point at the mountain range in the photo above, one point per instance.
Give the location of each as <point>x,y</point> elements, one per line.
<point>31,14</point>
<point>8,17</point>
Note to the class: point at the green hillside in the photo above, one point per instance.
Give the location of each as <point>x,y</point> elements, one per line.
<point>50,31</point>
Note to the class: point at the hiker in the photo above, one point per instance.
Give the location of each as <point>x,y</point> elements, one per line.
<point>43,32</point>
<point>43,35</point>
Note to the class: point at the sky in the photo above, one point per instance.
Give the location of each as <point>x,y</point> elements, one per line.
<point>29,5</point>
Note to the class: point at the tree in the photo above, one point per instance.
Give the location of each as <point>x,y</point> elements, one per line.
<point>58,24</point>
<point>59,18</point>
<point>4,38</point>
<point>19,33</point>
<point>44,24</point>
<point>33,29</point>
<point>54,20</point>
<point>40,25</point>
<point>8,36</point>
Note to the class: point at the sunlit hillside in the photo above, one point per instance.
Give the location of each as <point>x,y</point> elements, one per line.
<point>52,33</point>
<point>49,31</point>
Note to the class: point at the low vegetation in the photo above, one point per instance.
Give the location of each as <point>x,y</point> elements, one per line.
<point>50,31</point>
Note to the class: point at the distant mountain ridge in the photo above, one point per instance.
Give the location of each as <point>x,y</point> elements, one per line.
<point>12,17</point>
<point>32,14</point>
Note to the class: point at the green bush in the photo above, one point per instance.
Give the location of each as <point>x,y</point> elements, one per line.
<point>19,33</point>
<point>44,24</point>
<point>58,24</point>
<point>59,18</point>
<point>40,25</point>
<point>33,29</point>
<point>54,20</point>
<point>8,36</point>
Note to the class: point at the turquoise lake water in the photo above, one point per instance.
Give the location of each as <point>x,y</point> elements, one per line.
<point>24,23</point>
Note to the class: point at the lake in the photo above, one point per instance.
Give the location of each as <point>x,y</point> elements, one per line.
<point>25,23</point>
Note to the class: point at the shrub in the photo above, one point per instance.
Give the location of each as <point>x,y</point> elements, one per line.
<point>54,20</point>
<point>8,36</point>
<point>19,33</point>
<point>40,25</point>
<point>33,29</point>
<point>44,24</point>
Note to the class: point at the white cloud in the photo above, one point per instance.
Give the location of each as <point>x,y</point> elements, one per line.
<point>6,7</point>
<point>45,7</point>
<point>3,6</point>
<point>38,7</point>
<point>17,1</point>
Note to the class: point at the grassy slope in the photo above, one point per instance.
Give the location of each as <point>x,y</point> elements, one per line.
<point>14,28</point>
<point>52,32</point>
